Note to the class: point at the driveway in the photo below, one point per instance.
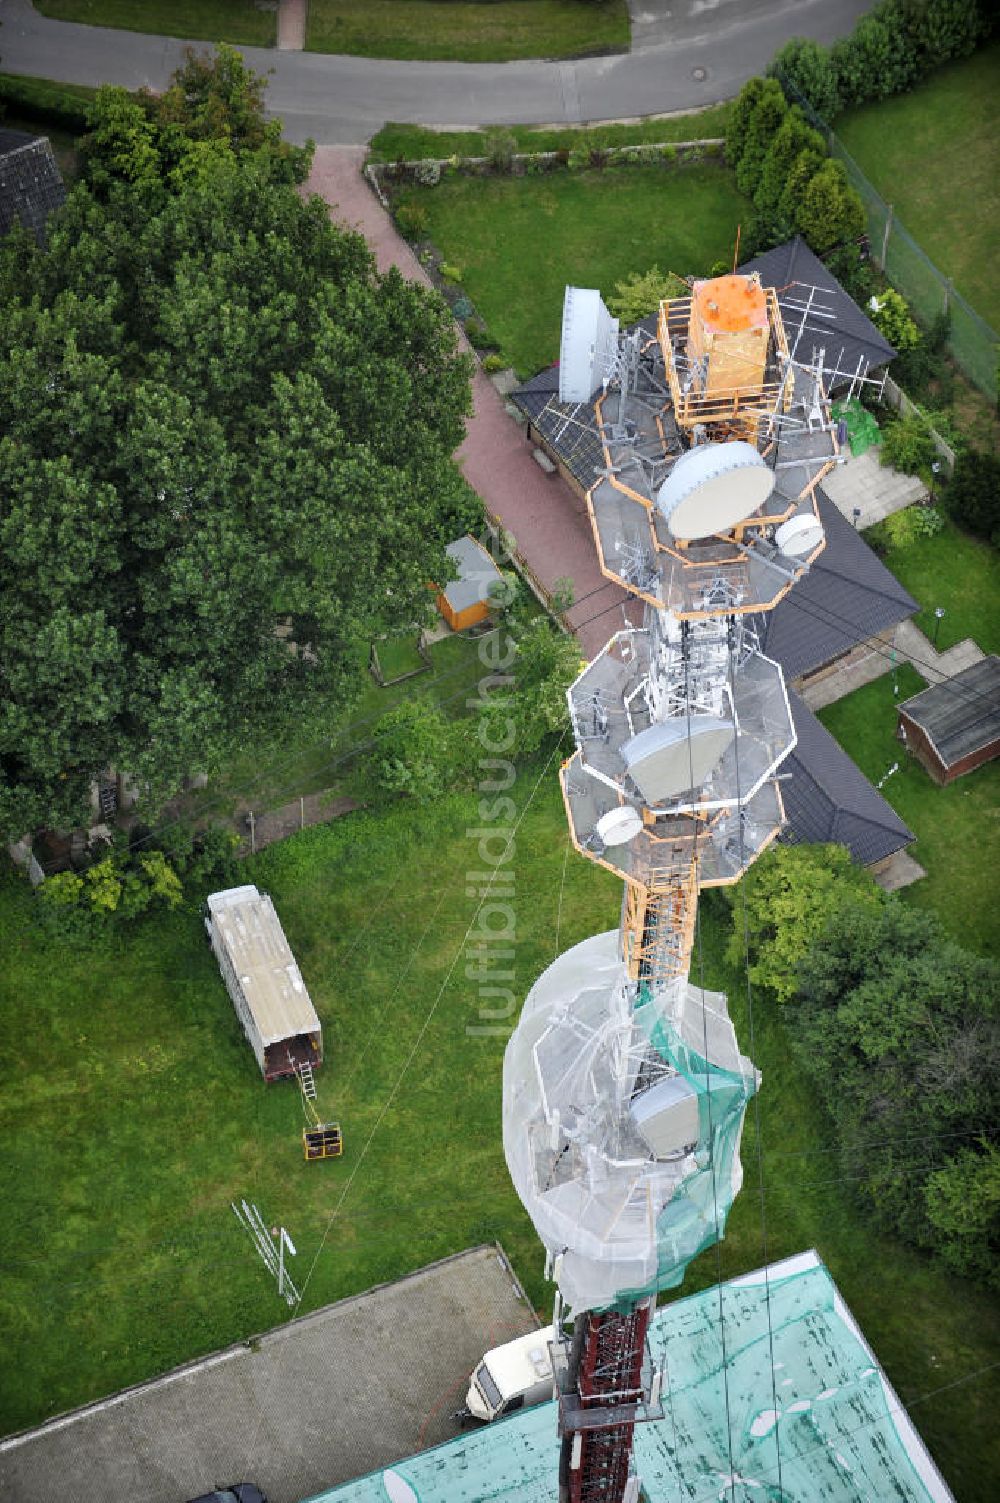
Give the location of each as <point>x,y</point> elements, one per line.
<point>689,53</point>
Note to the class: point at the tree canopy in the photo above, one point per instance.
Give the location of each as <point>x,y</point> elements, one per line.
<point>900,1029</point>
<point>225,454</point>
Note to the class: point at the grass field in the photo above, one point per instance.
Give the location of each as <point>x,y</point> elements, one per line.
<point>957,827</point>
<point>464,30</point>
<point>133,1113</point>
<point>958,573</point>
<point>411,142</point>
<point>934,155</point>
<point>519,241</point>
<point>200,20</point>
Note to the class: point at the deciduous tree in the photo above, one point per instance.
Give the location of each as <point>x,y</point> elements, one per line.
<point>225,459</point>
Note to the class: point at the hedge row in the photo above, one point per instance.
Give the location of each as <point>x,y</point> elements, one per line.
<point>62,105</point>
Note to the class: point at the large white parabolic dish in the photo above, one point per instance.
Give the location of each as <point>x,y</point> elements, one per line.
<point>589,345</point>
<point>712,487</point>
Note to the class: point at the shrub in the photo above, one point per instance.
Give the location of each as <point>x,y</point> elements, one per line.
<point>831,210</point>
<point>904,528</point>
<point>973,494</point>
<point>578,158</point>
<point>792,138</point>
<point>907,446</point>
<point>669,156</point>
<point>462,307</point>
<point>411,219</point>
<point>428,173</point>
<point>494,363</point>
<point>642,292</point>
<point>499,148</point>
<point>963,1206</point>
<point>765,121</point>
<point>807,67</point>
<point>890,313</point>
<point>417,752</point>
<point>449,272</point>
<point>476,331</point>
<point>738,123</point>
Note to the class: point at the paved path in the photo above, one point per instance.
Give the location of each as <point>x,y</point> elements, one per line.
<point>313,1402</point>
<point>874,489</point>
<point>909,646</point>
<point>704,52</point>
<point>291,25</point>
<point>547,519</point>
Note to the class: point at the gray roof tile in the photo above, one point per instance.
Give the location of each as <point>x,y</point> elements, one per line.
<point>827,798</point>
<point>30,182</point>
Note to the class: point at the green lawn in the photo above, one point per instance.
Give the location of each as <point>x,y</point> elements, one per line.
<point>957,827</point>
<point>518,241</point>
<point>237,21</point>
<point>133,1113</point>
<point>494,31</point>
<point>933,153</point>
<point>411,142</point>
<point>958,573</point>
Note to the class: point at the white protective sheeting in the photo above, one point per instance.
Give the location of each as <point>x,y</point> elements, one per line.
<point>580,1161</point>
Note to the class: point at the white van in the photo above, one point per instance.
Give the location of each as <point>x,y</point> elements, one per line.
<point>511,1377</point>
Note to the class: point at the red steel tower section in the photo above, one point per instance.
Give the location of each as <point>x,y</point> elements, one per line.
<point>598,1414</point>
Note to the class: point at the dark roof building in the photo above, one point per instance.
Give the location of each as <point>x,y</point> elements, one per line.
<point>954,726</point>
<point>30,182</point>
<point>834,321</point>
<point>828,799</point>
<point>847,597</point>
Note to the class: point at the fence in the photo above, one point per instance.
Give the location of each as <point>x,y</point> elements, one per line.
<point>973,343</point>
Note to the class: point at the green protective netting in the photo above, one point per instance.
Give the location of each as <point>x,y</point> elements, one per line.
<point>862,429</point>
<point>824,1421</point>
<point>696,1216</point>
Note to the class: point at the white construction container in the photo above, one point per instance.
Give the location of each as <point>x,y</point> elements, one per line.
<point>264,982</point>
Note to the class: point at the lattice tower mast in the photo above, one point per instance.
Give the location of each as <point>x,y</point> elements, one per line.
<point>624,1089</point>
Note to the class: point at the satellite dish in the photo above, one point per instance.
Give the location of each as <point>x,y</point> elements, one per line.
<point>799,535</point>
<point>712,487</point>
<point>589,346</point>
<point>672,756</point>
<point>619,826</point>
<point>397,1489</point>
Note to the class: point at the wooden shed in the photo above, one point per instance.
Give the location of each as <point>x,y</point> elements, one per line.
<point>264,982</point>
<point>465,601</point>
<point>954,726</point>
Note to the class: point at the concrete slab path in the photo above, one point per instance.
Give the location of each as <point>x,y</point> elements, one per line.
<point>909,645</point>
<point>710,50</point>
<point>313,1402</point>
<point>291,25</point>
<point>873,488</point>
<point>546,518</point>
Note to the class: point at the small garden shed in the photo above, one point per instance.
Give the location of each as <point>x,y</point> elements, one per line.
<point>954,726</point>
<point>264,982</point>
<point>465,601</point>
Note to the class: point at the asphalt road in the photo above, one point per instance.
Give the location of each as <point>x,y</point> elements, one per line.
<point>687,53</point>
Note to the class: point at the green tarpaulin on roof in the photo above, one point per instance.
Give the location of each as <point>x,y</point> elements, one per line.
<point>816,1422</point>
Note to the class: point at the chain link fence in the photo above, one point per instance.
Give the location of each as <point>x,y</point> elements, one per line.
<point>973,343</point>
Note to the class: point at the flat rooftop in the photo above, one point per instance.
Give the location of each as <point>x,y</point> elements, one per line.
<point>318,1400</point>
<point>829,1425</point>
